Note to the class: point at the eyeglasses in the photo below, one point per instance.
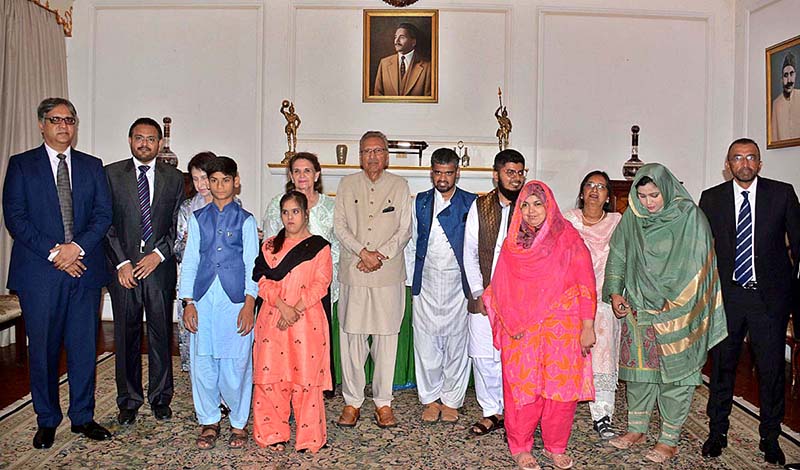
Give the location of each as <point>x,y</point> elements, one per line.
<point>740,158</point>
<point>511,173</point>
<point>56,120</point>
<point>377,151</point>
<point>590,185</point>
<point>151,139</point>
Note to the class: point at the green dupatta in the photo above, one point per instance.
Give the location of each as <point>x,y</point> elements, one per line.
<point>664,265</point>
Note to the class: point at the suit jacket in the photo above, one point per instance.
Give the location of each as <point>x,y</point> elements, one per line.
<point>125,234</point>
<point>375,216</point>
<point>416,81</point>
<point>777,214</point>
<point>33,218</point>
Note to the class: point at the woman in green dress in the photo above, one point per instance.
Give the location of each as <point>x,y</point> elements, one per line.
<point>662,280</point>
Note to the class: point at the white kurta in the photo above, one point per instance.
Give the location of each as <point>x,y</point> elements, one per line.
<point>485,358</point>
<point>440,319</point>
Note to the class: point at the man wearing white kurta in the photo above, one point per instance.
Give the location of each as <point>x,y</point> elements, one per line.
<point>440,290</point>
<point>372,221</point>
<point>486,228</point>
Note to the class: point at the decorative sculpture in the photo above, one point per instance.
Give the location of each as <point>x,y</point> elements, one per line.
<point>292,124</point>
<point>504,121</point>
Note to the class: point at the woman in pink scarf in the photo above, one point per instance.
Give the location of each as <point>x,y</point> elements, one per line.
<point>541,303</point>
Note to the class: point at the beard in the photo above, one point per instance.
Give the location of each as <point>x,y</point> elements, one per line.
<point>508,194</point>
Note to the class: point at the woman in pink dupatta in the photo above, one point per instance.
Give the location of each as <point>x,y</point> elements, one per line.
<point>541,303</point>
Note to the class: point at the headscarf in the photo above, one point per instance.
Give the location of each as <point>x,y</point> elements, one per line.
<point>533,274</point>
<point>665,267</point>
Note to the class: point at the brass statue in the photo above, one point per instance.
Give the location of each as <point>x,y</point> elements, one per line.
<point>292,124</point>
<point>504,121</point>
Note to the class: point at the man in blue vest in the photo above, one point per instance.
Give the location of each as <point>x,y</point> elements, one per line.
<point>440,291</point>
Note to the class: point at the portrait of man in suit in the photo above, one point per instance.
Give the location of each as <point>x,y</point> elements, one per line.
<point>400,57</point>
<point>146,196</point>
<point>57,209</point>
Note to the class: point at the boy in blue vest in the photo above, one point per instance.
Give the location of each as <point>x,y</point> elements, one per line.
<point>218,296</point>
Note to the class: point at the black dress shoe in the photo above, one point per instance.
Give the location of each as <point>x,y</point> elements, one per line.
<point>126,417</point>
<point>772,451</point>
<point>44,438</point>
<point>92,430</point>
<point>713,446</point>
<point>792,466</point>
<point>162,412</point>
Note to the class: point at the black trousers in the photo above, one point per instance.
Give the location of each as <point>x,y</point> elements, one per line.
<point>129,306</point>
<point>747,312</point>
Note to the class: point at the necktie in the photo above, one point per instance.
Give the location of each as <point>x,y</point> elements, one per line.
<point>144,203</point>
<point>402,66</point>
<point>64,196</point>
<point>743,265</point>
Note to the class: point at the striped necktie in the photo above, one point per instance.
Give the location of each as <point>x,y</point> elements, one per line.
<point>743,265</point>
<point>144,202</point>
<point>64,196</point>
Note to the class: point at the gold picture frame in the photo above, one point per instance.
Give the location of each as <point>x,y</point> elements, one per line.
<point>381,82</point>
<point>783,110</point>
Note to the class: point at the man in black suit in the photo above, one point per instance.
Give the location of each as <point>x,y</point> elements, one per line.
<point>57,209</point>
<point>751,218</point>
<point>146,197</point>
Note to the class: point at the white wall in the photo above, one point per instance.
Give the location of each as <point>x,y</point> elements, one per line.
<point>576,75</point>
<point>759,25</point>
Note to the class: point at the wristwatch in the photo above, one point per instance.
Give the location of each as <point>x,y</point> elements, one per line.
<point>185,302</point>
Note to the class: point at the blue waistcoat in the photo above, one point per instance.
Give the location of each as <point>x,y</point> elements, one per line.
<point>453,220</point>
<point>221,250</point>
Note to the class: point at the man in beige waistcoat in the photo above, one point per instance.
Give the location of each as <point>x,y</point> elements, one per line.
<point>372,221</point>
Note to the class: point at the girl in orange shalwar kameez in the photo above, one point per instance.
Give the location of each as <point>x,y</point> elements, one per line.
<point>291,366</point>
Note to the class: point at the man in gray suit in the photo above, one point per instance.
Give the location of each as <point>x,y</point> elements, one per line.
<point>146,196</point>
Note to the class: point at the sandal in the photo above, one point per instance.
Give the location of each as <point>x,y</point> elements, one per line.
<point>625,442</point>
<point>526,461</point>
<point>480,429</point>
<point>660,454</point>
<point>449,415</point>
<point>237,440</point>
<point>430,414</point>
<point>208,436</point>
<point>278,446</point>
<point>603,428</point>
<point>562,461</point>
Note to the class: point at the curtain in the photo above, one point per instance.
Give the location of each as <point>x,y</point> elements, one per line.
<point>33,66</point>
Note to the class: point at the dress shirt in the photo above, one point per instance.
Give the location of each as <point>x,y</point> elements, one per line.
<point>151,184</point>
<point>52,156</point>
<point>738,199</point>
<point>472,266</point>
<point>409,57</point>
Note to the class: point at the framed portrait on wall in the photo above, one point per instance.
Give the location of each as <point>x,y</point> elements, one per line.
<point>783,96</point>
<point>401,56</point>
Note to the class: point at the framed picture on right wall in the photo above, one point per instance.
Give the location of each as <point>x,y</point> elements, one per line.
<point>783,96</point>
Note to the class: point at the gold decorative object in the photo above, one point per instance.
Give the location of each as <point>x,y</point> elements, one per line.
<point>341,154</point>
<point>504,121</point>
<point>292,124</point>
<point>400,3</point>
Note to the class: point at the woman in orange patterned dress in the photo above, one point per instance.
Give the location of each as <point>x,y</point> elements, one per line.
<point>291,367</point>
<point>541,303</point>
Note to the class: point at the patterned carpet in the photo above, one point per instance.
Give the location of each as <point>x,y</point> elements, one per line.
<point>154,445</point>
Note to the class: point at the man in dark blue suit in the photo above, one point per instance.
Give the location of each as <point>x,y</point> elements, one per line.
<point>57,209</point>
